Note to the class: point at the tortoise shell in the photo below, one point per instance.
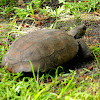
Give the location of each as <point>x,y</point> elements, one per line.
<point>46,49</point>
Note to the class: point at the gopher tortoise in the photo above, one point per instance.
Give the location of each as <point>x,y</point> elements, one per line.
<point>46,49</point>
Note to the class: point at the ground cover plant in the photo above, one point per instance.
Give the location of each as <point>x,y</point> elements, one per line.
<point>78,84</point>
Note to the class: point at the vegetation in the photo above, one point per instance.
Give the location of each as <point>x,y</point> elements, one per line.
<point>46,86</point>
<point>67,8</point>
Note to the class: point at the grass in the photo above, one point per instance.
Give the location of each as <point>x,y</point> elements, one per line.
<point>13,87</point>
<point>6,2</point>
<point>67,8</point>
<point>96,52</point>
<point>38,87</point>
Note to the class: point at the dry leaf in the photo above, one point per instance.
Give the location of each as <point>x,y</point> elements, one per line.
<point>20,2</point>
<point>39,23</point>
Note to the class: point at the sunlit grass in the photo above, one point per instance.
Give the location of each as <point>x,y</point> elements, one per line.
<point>73,8</point>
<point>14,87</point>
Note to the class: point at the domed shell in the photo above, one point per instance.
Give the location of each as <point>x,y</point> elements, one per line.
<point>46,49</point>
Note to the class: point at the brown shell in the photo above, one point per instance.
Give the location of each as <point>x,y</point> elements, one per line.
<point>46,49</point>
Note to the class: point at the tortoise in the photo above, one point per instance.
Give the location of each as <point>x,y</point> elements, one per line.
<point>46,49</point>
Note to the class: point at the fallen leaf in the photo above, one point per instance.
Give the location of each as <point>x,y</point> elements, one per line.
<point>26,25</point>
<point>85,1</point>
<point>20,2</point>
<point>1,44</point>
<point>90,68</point>
<point>8,15</point>
<point>84,76</point>
<point>95,41</point>
<point>39,23</point>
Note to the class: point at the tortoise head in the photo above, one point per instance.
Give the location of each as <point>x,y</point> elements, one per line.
<point>78,31</point>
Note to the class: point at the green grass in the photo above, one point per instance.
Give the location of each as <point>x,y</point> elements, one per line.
<point>73,87</point>
<point>13,87</point>
<point>7,2</point>
<point>96,52</point>
<point>67,8</point>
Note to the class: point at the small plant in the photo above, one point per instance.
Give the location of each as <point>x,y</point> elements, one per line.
<point>6,2</point>
<point>3,50</point>
<point>96,52</point>
<point>7,11</point>
<point>21,13</point>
